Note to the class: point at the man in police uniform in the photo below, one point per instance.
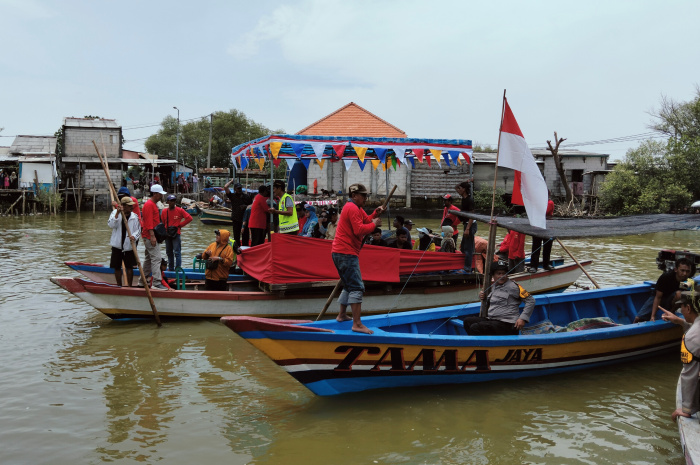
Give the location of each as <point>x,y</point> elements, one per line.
<point>690,352</point>
<point>288,221</point>
<point>504,317</point>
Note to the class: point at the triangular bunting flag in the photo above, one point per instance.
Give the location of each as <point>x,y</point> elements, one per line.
<point>348,164</point>
<point>320,163</point>
<point>437,153</point>
<point>339,149</point>
<point>298,149</point>
<point>395,162</point>
<point>244,162</point>
<point>446,156</point>
<point>413,162</point>
<point>362,164</point>
<point>261,162</point>
<point>360,151</point>
<point>275,148</point>
<point>276,162</point>
<point>384,166</point>
<point>428,160</point>
<point>381,153</point>
<point>454,155</point>
<point>306,162</point>
<point>290,163</point>
<point>419,154</point>
<point>375,163</point>
<point>400,153</point>
<point>318,147</point>
<point>468,155</point>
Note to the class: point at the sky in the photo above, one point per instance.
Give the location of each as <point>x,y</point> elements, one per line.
<point>592,71</point>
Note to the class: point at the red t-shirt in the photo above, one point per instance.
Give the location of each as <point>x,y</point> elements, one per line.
<point>150,218</point>
<point>516,248</point>
<point>353,225</point>
<point>550,209</point>
<point>446,215</point>
<point>258,212</point>
<point>173,218</point>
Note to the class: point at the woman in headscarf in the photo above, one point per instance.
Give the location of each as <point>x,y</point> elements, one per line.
<point>425,241</point>
<point>448,244</point>
<point>311,220</point>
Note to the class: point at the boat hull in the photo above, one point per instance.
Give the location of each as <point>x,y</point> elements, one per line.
<point>117,302</point>
<point>430,347</point>
<point>215,217</point>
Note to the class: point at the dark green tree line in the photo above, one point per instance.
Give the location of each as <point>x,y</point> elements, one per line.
<point>660,176</point>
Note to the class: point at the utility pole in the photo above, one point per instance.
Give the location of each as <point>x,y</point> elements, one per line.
<point>177,141</point>
<point>211,124</point>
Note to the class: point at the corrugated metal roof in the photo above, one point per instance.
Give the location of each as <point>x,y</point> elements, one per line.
<point>33,145</point>
<point>567,153</point>
<point>102,123</point>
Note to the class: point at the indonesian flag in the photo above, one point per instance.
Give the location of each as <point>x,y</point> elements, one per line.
<point>529,188</point>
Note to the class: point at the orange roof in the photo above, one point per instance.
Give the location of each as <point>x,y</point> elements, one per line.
<point>352,120</point>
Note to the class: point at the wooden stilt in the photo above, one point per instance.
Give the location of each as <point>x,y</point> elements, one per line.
<point>94,194</point>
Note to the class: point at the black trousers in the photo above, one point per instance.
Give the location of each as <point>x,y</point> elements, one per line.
<point>546,251</point>
<point>215,285</point>
<point>237,225</point>
<point>257,236</point>
<point>480,326</point>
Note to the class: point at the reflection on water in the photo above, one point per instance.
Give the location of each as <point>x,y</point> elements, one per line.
<point>79,388</point>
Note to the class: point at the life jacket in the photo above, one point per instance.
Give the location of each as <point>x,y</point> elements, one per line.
<point>288,224</point>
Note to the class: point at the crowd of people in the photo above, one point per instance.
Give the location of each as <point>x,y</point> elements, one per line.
<point>8,179</point>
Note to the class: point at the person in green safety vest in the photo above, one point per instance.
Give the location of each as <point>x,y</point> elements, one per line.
<point>288,220</point>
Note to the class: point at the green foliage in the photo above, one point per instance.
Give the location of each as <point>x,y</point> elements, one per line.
<point>228,130</point>
<point>647,181</point>
<point>484,197</point>
<point>483,148</point>
<point>46,198</point>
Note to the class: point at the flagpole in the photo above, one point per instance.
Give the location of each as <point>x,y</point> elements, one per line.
<point>491,248</point>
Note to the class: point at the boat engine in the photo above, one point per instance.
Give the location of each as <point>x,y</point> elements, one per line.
<point>666,260</point>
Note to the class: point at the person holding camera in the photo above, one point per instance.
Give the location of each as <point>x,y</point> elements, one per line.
<point>174,218</point>
<point>219,257</point>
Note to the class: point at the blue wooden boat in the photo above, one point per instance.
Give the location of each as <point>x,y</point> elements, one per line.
<point>104,274</point>
<point>430,347</point>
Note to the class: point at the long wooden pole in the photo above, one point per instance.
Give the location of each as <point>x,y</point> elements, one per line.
<point>133,242</point>
<point>340,281</point>
<point>491,248</point>
<point>579,265</point>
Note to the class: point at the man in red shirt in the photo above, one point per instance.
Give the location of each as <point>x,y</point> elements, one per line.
<point>150,218</point>
<point>173,219</point>
<point>354,224</point>
<point>448,219</point>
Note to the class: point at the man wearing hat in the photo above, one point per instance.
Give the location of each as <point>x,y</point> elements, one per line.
<point>124,191</point>
<point>504,317</point>
<point>448,219</point>
<point>121,244</point>
<point>149,220</point>
<point>287,213</point>
<point>332,223</point>
<point>354,224</point>
<point>239,202</point>
<point>174,218</point>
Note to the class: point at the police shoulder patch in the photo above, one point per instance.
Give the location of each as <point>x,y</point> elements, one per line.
<point>523,293</point>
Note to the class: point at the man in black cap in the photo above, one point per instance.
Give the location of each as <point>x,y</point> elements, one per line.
<point>504,317</point>
<point>239,202</point>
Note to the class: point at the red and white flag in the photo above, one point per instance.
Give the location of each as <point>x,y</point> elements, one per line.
<point>529,188</point>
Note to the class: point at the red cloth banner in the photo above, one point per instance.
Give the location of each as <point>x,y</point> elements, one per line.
<point>295,259</point>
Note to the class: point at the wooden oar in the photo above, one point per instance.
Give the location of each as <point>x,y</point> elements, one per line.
<point>113,193</point>
<point>579,265</point>
<point>340,282</point>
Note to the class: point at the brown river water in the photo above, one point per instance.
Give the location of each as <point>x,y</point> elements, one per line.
<point>77,387</point>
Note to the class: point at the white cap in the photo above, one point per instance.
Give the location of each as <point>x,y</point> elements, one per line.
<point>157,189</point>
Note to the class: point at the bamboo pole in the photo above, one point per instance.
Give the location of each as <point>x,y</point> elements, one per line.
<point>94,194</point>
<point>11,206</point>
<point>24,200</point>
<point>491,248</point>
<point>80,194</point>
<point>133,242</point>
<point>340,281</point>
<point>579,265</point>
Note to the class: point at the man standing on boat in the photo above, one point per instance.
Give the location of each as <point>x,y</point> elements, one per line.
<point>174,218</point>
<point>354,224</point>
<point>504,317</point>
<point>149,220</point>
<point>287,213</point>
<point>121,244</point>
<point>239,202</point>
<point>667,290</point>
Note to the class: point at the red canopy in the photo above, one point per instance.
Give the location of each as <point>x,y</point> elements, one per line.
<point>294,259</point>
